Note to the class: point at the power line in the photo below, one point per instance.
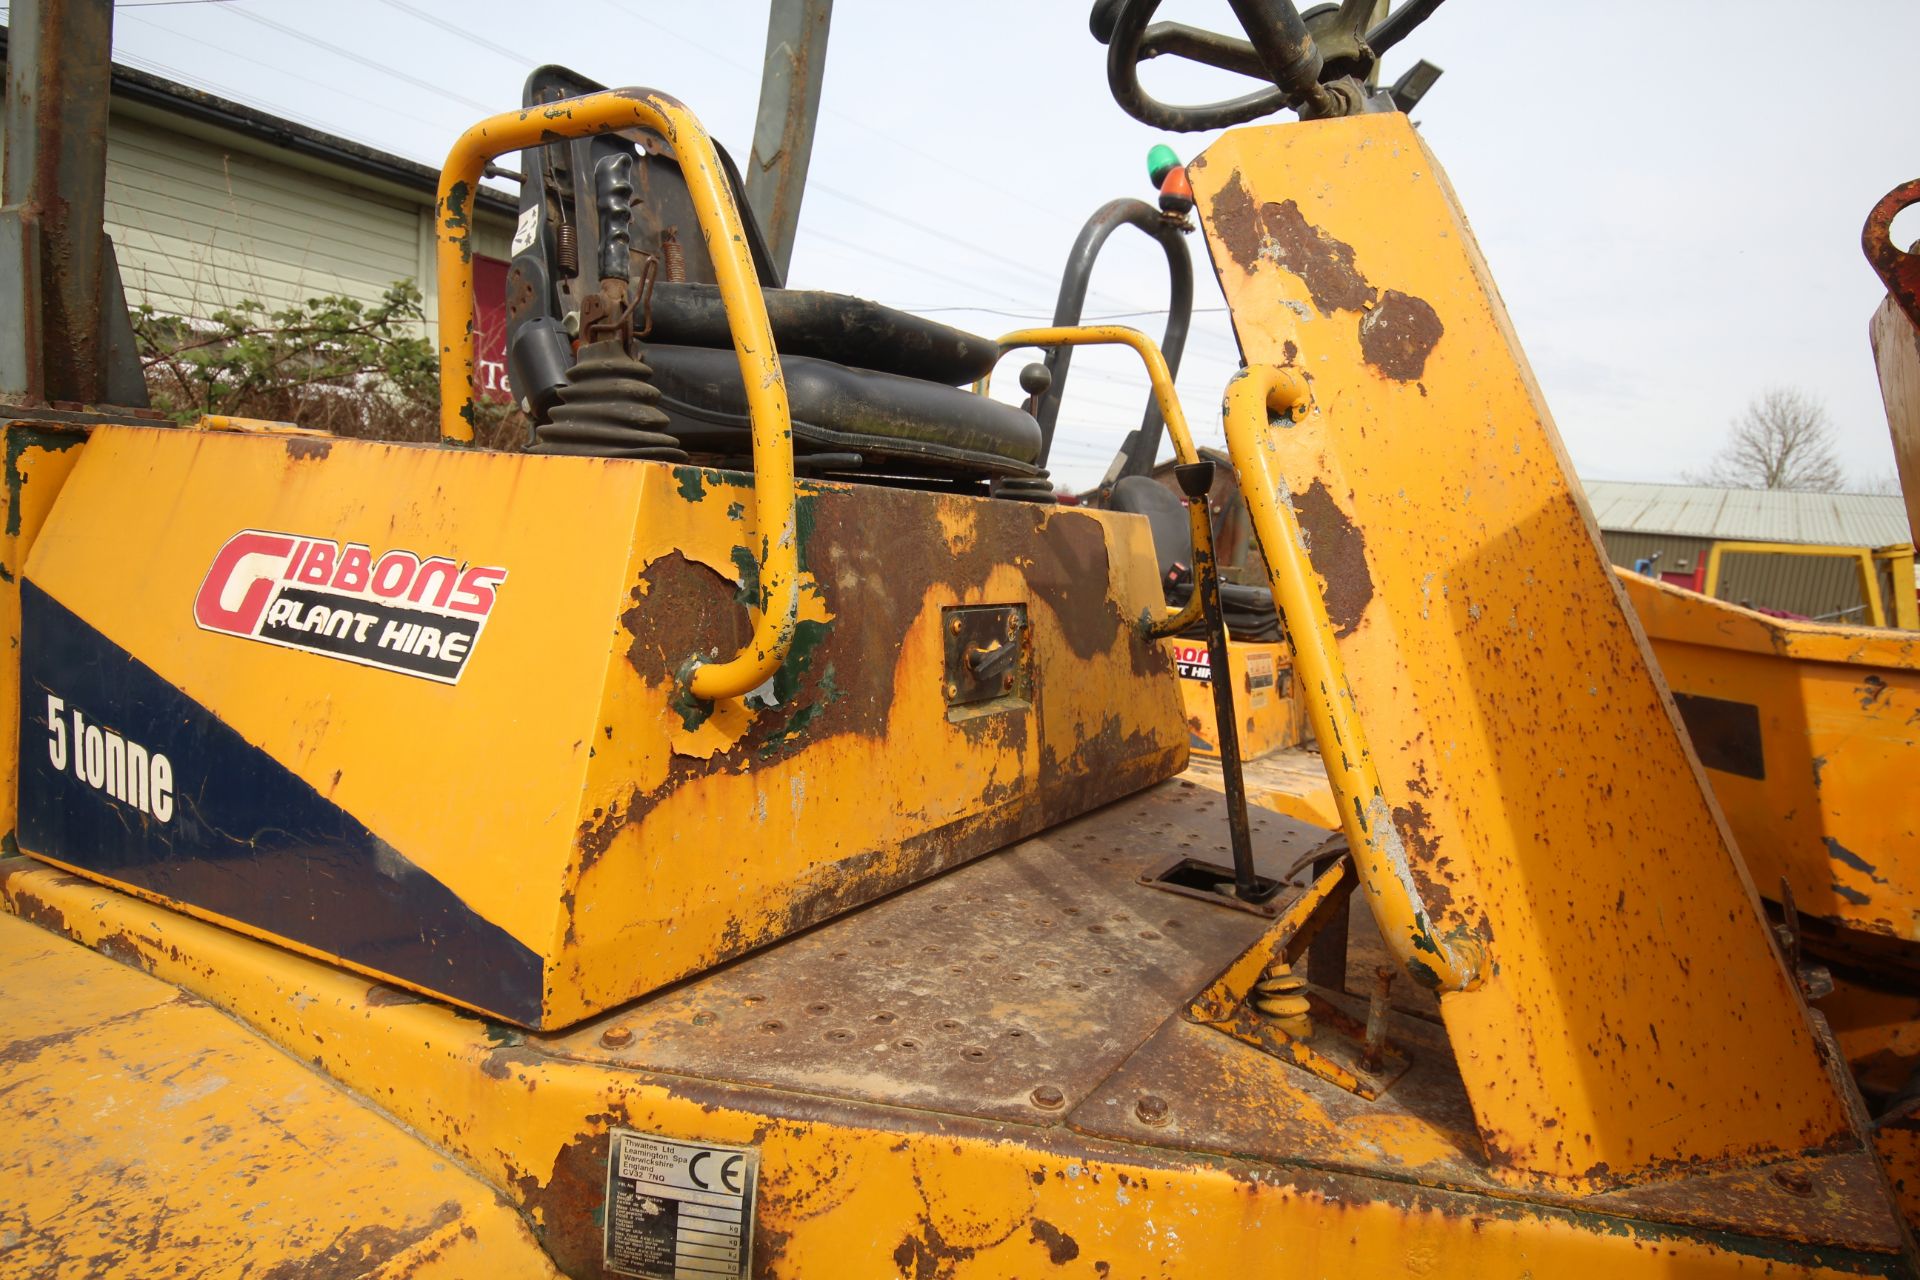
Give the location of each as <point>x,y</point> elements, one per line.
<point>332,87</point>
<point>454,28</point>
<point>368,63</point>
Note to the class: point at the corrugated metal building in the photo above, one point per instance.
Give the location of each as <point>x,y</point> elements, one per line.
<point>210,203</point>
<point>1680,522</point>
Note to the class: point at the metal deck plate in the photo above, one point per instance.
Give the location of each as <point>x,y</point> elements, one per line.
<point>1007,989</point>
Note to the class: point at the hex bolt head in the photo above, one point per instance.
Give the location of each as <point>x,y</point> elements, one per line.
<point>954,626</point>
<point>1150,1109</point>
<point>1048,1098</point>
<point>616,1038</point>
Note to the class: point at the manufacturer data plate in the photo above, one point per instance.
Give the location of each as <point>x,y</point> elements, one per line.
<point>679,1210</point>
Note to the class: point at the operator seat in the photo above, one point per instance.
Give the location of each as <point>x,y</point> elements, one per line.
<point>873,392</point>
<point>1249,611</point>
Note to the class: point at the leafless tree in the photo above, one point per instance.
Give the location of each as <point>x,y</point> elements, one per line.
<point>1783,441</point>
<point>1882,483</point>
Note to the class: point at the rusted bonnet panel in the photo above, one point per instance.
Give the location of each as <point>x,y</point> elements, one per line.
<point>1634,1019</point>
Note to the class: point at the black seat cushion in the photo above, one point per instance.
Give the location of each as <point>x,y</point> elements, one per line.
<point>828,326</point>
<point>836,409</point>
<point>1249,611</point>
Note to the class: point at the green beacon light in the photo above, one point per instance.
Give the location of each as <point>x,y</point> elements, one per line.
<point>1159,160</point>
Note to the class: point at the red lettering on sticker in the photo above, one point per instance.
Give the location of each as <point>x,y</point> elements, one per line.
<point>476,586</point>
<point>210,609</point>
<point>352,573</point>
<point>437,567</point>
<point>394,574</point>
<point>318,568</point>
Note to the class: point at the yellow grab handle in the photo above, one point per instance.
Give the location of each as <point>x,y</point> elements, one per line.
<point>1094,335</point>
<point>1380,856</point>
<point>746,311</point>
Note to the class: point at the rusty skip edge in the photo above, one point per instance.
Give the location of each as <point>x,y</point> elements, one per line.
<point>477,1088</point>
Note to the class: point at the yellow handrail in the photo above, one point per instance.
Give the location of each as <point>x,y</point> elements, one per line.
<point>1092,335</point>
<point>746,311</point>
<point>1380,856</point>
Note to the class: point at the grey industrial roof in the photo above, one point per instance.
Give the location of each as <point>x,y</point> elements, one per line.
<point>1753,515</point>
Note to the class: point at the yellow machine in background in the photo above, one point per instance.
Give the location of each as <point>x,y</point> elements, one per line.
<point>657,865</point>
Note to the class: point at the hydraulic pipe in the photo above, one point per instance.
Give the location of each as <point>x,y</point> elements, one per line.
<point>766,390</point>
<point>1441,963</point>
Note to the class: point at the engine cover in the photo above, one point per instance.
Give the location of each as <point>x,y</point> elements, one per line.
<point>415,709</point>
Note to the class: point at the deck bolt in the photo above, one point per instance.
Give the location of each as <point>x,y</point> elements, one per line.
<point>1794,1181</point>
<point>1150,1109</point>
<point>1006,681</point>
<point>954,626</point>
<point>616,1037</point>
<point>1048,1097</point>
<point>952,690</point>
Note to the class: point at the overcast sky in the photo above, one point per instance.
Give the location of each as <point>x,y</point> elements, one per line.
<point>1670,194</point>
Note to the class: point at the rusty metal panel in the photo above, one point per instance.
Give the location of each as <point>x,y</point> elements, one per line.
<point>1807,734</point>
<point>646,834</point>
<point>148,1135</point>
<point>1006,989</point>
<point>1542,797</point>
<point>858,1189</point>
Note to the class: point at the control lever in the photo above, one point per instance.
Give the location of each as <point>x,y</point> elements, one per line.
<point>1196,483</point>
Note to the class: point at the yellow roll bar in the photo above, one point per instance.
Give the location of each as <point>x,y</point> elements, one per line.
<point>607,112</point>
<point>1094,335</point>
<point>1379,854</point>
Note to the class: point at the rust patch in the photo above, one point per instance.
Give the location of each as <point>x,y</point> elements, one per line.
<point>1061,1247</point>
<point>308,448</point>
<point>1425,861</point>
<point>682,606</point>
<point>1397,336</point>
<point>355,1253</point>
<point>1236,224</point>
<point>1072,579</point>
<point>1324,264</point>
<point>1338,551</point>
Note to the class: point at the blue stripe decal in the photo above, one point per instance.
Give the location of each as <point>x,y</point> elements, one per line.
<point>124,775</point>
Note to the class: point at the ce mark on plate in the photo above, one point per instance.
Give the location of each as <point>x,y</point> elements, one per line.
<point>731,1167</point>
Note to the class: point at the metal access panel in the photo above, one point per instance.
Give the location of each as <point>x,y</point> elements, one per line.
<point>419,710</point>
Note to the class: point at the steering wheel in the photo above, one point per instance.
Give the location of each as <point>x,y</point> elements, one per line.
<point>1318,66</point>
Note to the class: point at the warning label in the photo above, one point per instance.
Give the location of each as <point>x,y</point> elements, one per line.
<point>679,1210</point>
<point>1259,679</point>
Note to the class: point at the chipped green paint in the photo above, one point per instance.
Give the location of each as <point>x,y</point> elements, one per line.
<point>20,438</point>
<point>807,637</point>
<point>691,487</point>
<point>693,712</point>
<point>749,592</point>
<point>456,220</point>
<point>736,511</point>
